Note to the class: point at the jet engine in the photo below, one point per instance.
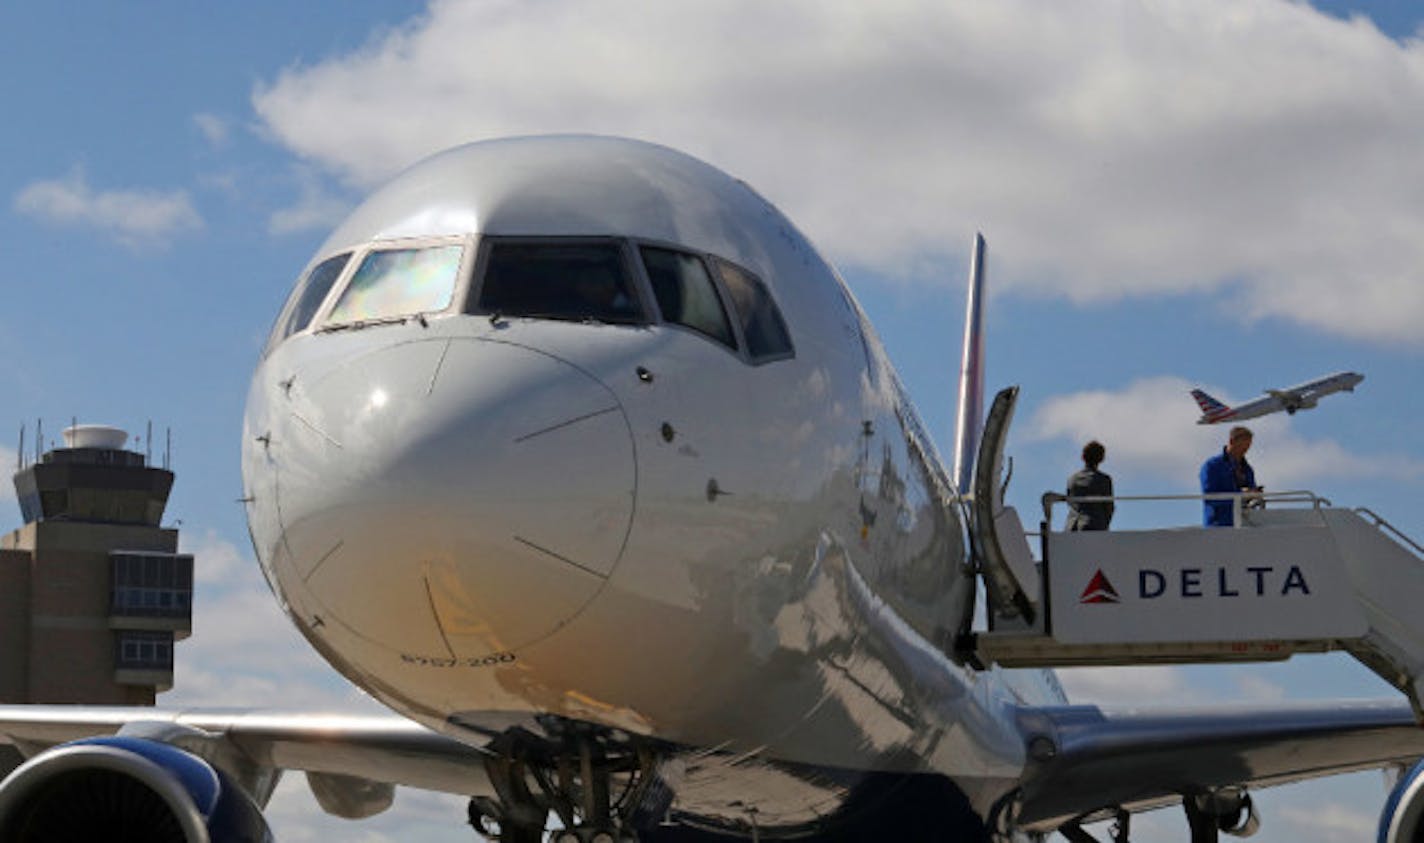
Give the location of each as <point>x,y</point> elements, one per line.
<point>125,790</point>
<point>1402,820</point>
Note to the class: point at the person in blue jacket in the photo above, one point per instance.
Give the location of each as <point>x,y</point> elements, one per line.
<point>1228,472</point>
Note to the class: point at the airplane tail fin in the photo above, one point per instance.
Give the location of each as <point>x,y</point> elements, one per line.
<point>1212,409</point>
<point>970,420</point>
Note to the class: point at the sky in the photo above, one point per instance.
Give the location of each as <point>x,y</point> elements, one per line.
<point>1176,193</point>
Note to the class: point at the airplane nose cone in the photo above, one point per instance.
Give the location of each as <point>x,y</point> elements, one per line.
<point>452,499</point>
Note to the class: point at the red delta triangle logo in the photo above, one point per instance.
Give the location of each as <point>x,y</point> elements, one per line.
<point>1099,590</point>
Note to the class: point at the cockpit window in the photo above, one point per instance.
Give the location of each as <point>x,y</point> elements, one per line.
<point>572,281</point>
<point>306,299</point>
<point>762,325</point>
<point>686,294</point>
<point>400,282</point>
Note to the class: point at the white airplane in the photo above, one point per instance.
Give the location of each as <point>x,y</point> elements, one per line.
<point>576,454</point>
<point>1300,397</point>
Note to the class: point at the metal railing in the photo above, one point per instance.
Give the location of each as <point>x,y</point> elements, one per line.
<point>1240,502</point>
<point>1389,528</point>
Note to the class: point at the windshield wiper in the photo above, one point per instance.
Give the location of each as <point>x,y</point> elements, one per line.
<point>364,323</point>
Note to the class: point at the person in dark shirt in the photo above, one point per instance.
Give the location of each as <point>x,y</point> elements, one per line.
<point>1227,472</point>
<point>1090,483</point>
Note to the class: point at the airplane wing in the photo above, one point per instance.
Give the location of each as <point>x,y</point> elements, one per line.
<point>343,755</point>
<point>1141,759</point>
<point>1102,758</point>
<point>1296,398</point>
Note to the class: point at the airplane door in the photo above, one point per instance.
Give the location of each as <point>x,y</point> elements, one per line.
<point>1004,587</point>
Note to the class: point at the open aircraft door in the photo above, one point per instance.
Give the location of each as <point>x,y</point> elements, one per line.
<point>1001,546</point>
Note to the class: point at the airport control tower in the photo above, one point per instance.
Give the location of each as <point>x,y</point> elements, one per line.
<point>93,592</point>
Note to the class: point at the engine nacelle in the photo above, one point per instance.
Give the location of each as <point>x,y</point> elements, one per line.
<point>1402,820</point>
<point>125,789</point>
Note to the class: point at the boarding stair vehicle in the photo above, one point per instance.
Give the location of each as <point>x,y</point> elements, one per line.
<point>1294,575</point>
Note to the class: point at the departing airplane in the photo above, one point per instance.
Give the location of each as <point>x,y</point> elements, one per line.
<point>575,453</point>
<point>1301,397</point>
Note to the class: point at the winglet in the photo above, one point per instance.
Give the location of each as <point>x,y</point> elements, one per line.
<point>970,420</point>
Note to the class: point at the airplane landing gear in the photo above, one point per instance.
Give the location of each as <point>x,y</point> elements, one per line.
<point>1119,830</point>
<point>598,788</point>
<point>494,821</point>
<point>1228,809</point>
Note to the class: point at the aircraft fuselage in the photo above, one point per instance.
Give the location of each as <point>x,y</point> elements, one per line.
<point>481,517</point>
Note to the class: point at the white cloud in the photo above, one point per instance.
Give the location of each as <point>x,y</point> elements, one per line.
<point>316,208</point>
<point>215,559</point>
<point>244,651</point>
<point>222,182</point>
<point>1257,689</point>
<point>1331,822</point>
<point>1262,151</point>
<point>213,128</point>
<point>9,460</point>
<point>1146,429</point>
<point>417,816</point>
<point>132,217</point>
<point>1126,686</point>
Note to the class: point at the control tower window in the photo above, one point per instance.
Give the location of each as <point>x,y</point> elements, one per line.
<point>762,325</point>
<point>144,650</point>
<point>568,281</point>
<point>686,294</point>
<point>306,299</point>
<point>400,282</point>
<point>156,584</point>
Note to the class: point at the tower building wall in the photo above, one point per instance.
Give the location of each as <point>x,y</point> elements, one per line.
<point>93,593</point>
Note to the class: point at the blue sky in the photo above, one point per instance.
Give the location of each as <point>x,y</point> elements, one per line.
<point>1215,193</point>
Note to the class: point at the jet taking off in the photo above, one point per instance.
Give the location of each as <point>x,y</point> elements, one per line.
<point>1301,397</point>
<point>575,453</point>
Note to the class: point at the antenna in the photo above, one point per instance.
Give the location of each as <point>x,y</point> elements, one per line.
<point>168,449</point>
<point>20,452</point>
<point>148,444</point>
<point>39,439</point>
